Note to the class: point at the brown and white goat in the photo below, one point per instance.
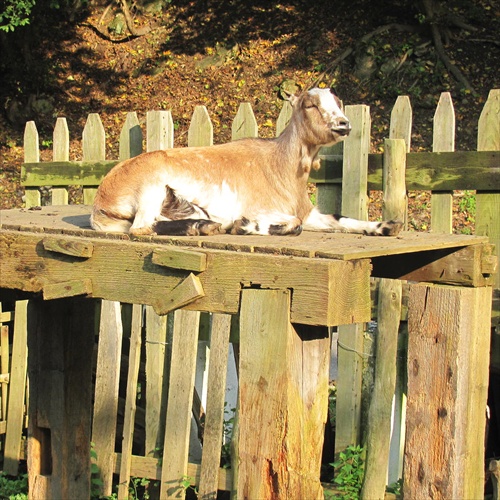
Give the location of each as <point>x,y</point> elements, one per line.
<point>249,186</point>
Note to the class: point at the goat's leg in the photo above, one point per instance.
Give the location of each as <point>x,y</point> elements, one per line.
<point>188,227</point>
<point>275,224</point>
<point>317,221</point>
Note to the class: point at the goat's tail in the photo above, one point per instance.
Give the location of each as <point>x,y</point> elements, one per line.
<point>100,220</point>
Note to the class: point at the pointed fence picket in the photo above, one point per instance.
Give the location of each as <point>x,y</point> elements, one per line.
<point>166,370</point>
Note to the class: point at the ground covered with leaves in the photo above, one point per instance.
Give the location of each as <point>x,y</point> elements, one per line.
<point>222,53</point>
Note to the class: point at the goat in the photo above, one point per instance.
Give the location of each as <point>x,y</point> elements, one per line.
<point>249,186</point>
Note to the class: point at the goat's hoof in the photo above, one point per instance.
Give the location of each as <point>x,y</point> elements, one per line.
<point>241,226</point>
<point>389,228</point>
<point>209,228</point>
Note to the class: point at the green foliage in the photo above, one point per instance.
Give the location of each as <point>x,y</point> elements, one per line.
<point>227,431</point>
<point>349,472</point>
<point>15,13</point>
<point>13,488</point>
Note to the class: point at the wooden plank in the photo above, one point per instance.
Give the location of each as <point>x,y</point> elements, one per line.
<point>67,289</point>
<point>180,258</point>
<point>200,132</point>
<point>68,247</point>
<point>130,402</point>
<point>186,292</point>
<point>424,170</point>
<point>106,391</point>
<point>150,468</point>
<point>130,137</point>
<point>17,390</point>
<point>159,130</point>
<point>443,140</point>
<point>488,204</point>
<point>313,280</point>
<point>4,367</point>
<point>395,201</point>
<point>61,173</point>
<point>401,121</point>
<point>93,148</point>
<point>31,154</point>
<point>356,148</point>
<point>61,341</point>
<point>281,398</point>
<point>378,430</point>
<point>447,390</point>
<point>214,421</point>
<point>244,123</point>
<point>180,402</point>
<point>60,152</point>
<point>157,369</point>
<point>284,117</point>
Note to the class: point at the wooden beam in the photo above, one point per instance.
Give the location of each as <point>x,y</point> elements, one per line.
<point>448,352</point>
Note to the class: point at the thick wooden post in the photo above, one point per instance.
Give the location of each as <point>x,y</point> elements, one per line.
<point>60,344</point>
<point>283,394</point>
<point>448,352</point>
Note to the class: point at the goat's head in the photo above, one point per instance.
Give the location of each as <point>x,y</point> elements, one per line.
<point>323,120</point>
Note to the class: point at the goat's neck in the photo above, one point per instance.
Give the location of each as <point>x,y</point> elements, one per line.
<point>299,153</point>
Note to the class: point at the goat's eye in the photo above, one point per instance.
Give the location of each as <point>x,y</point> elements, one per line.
<point>309,105</point>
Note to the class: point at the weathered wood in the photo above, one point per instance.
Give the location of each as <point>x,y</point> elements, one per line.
<point>31,154</point>
<point>157,366</point>
<point>401,121</point>
<point>67,289</point>
<point>284,117</point>
<point>186,292</point>
<point>60,375</point>
<point>494,468</point>
<point>130,138</point>
<point>130,402</point>
<point>151,468</point>
<point>214,421</point>
<point>326,291</point>
<point>93,148</point>
<point>443,140</point>
<point>378,431</point>
<point>437,171</point>
<point>201,131</point>
<point>488,204</point>
<point>395,201</point>
<point>244,123</point>
<point>180,258</point>
<point>159,130</point>
<point>448,349</point>
<point>68,247</point>
<point>60,152</point>
<point>15,409</point>
<point>180,402</point>
<point>356,147</point>
<point>106,391</point>
<point>4,368</point>
<point>329,195</point>
<point>283,391</point>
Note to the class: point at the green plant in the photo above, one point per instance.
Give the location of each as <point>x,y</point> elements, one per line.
<point>395,487</point>
<point>227,434</point>
<point>186,484</point>
<point>13,488</point>
<point>349,472</point>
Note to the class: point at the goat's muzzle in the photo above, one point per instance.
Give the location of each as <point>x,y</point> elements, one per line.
<point>342,128</point>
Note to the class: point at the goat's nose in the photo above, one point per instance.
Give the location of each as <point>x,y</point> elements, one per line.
<point>342,127</point>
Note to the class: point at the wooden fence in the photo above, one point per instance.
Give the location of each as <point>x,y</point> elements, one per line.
<point>138,349</point>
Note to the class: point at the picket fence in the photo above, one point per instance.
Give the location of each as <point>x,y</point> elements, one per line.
<point>131,376</point>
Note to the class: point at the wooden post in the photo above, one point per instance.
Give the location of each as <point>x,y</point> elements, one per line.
<point>93,148</point>
<point>201,130</point>
<point>443,140</point>
<point>159,130</point>
<point>448,352</point>
<point>351,337</point>
<point>244,123</point>
<point>379,415</point>
<point>106,391</point>
<point>31,154</point>
<point>283,394</point>
<point>394,197</point>
<point>60,153</point>
<point>130,137</point>
<point>17,386</point>
<point>61,340</point>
